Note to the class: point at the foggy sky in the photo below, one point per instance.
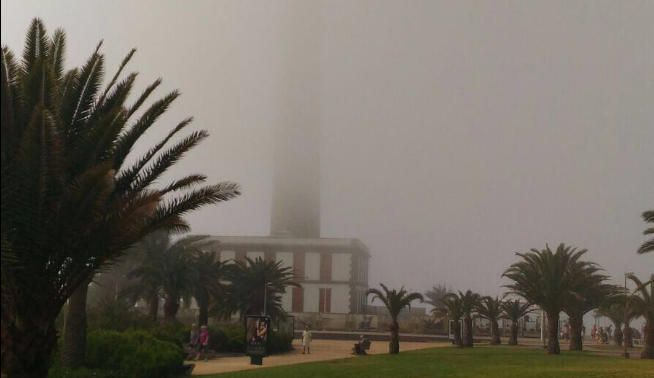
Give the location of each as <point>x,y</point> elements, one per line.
<point>452,133</point>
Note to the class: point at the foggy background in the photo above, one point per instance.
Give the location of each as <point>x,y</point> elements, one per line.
<point>451,134</point>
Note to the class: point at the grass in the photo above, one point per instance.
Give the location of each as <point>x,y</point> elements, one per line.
<point>452,362</point>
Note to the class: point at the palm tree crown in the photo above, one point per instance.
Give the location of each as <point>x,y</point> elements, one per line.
<point>255,279</point>
<point>648,245</point>
<point>394,300</point>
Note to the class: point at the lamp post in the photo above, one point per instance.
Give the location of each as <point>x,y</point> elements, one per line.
<point>265,297</point>
<point>626,323</point>
<point>542,328</point>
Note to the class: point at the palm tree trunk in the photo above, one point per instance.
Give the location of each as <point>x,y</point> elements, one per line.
<point>394,346</point>
<point>28,346</point>
<point>457,334</point>
<point>617,334</point>
<point>495,330</point>
<point>74,346</point>
<point>203,314</point>
<point>170,309</point>
<point>576,342</point>
<point>648,350</point>
<point>628,336</point>
<point>467,332</point>
<point>153,306</point>
<point>514,333</point>
<point>553,333</point>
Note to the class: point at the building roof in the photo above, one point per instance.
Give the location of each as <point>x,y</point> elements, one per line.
<point>353,245</point>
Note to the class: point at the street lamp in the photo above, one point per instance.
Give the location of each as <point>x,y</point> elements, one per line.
<point>626,323</point>
<point>265,297</point>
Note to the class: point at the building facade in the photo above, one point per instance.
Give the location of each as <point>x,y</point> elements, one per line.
<point>333,272</point>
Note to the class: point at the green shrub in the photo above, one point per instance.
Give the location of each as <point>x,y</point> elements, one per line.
<point>117,315</point>
<point>279,342</point>
<point>227,338</point>
<point>133,354</point>
<point>176,333</point>
<point>61,372</point>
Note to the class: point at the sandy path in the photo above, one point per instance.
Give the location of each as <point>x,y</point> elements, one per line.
<point>321,350</point>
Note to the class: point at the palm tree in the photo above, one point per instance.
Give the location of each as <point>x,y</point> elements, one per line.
<point>453,305</point>
<point>395,301</point>
<point>147,277</point>
<point>613,308</point>
<point>515,310</point>
<point>208,282</point>
<point>642,303</point>
<point>170,269</point>
<point>648,246</point>
<point>435,297</point>
<point>491,309</point>
<point>587,291</point>
<point>545,278</point>
<point>469,301</point>
<point>252,281</point>
<point>74,198</point>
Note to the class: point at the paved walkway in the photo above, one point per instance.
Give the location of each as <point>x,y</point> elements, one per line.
<point>321,350</point>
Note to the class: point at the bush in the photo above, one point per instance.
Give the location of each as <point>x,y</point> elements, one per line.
<point>227,338</point>
<point>61,372</point>
<point>280,342</point>
<point>176,333</point>
<point>117,315</point>
<point>133,354</point>
<point>231,338</point>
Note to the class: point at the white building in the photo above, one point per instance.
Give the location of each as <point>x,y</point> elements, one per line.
<point>333,272</point>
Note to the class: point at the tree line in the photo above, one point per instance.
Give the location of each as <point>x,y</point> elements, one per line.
<point>554,281</point>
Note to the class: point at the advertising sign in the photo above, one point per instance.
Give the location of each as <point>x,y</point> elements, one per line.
<point>257,335</point>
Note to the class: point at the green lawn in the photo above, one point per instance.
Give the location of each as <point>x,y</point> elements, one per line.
<point>452,362</point>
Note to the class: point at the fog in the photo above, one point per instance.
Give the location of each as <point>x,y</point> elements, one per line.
<point>446,135</point>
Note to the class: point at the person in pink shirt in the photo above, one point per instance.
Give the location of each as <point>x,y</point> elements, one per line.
<point>203,342</point>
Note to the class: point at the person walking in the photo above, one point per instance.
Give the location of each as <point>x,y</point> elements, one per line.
<point>203,342</point>
<point>306,340</point>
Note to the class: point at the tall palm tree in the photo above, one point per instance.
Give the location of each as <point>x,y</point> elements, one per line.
<point>74,197</point>
<point>208,282</point>
<point>587,291</point>
<point>545,278</point>
<point>253,280</point>
<point>395,301</point>
<point>648,246</point>
<point>515,310</point>
<point>469,301</point>
<point>491,309</point>
<point>642,303</point>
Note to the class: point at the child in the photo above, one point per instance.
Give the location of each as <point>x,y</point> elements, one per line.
<point>203,342</point>
<point>306,340</point>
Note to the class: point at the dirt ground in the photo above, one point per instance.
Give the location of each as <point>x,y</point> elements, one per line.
<point>321,350</point>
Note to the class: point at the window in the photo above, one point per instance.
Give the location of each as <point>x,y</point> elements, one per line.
<point>298,300</point>
<point>325,266</point>
<point>325,300</point>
